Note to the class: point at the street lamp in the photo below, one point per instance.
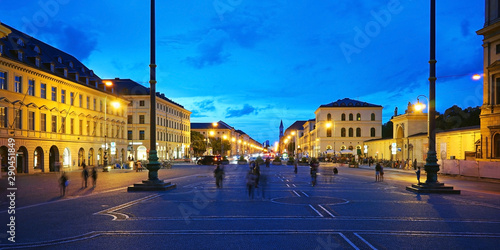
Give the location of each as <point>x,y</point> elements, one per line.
<point>222,144</point>
<point>116,105</point>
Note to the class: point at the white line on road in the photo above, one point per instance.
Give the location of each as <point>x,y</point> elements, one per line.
<point>287,185</point>
<point>296,193</point>
<point>304,193</point>
<point>365,241</point>
<point>328,212</point>
<point>348,241</point>
<point>315,210</point>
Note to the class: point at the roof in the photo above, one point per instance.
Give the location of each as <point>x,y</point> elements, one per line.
<point>346,102</point>
<point>130,87</point>
<point>33,49</point>
<point>209,125</point>
<point>297,125</point>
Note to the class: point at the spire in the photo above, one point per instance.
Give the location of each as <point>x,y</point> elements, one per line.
<point>281,129</point>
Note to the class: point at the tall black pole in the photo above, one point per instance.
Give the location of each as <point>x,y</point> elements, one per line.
<point>153,164</point>
<point>431,166</point>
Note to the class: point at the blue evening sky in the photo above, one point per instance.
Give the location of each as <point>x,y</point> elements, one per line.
<point>254,63</point>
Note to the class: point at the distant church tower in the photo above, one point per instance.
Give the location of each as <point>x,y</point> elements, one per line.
<point>281,130</point>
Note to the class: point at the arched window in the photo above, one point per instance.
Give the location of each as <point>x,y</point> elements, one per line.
<point>496,146</point>
<point>372,132</point>
<point>328,132</point>
<point>342,132</point>
<point>351,117</point>
<point>358,117</point>
<point>351,132</point>
<point>329,117</point>
<point>351,148</point>
<point>358,132</point>
<point>343,117</point>
<point>373,116</point>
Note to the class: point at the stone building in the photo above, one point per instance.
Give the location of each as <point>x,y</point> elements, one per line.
<point>58,112</point>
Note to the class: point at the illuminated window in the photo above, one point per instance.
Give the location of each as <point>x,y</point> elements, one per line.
<point>18,84</point>
<point>31,87</point>
<point>3,80</point>
<point>358,117</point>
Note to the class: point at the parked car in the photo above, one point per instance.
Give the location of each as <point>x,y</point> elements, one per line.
<point>209,160</point>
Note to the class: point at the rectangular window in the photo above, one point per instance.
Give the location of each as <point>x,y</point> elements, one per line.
<point>63,96</point>
<point>72,126</point>
<point>71,98</point>
<point>496,92</point>
<point>80,98</point>
<point>100,105</point>
<point>63,125</point>
<point>18,84</point>
<point>80,127</point>
<point>31,87</point>
<point>43,90</point>
<point>129,135</point>
<point>3,80</point>
<point>141,119</point>
<point>130,119</point>
<point>141,103</point>
<point>54,124</point>
<point>3,117</point>
<point>43,122</point>
<point>88,127</point>
<point>141,135</point>
<point>88,102</point>
<point>54,94</point>
<point>95,104</point>
<point>31,120</point>
<point>19,119</point>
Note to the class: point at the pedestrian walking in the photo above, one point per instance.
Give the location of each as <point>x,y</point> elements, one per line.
<point>268,162</point>
<point>314,165</point>
<point>85,175</point>
<point>377,171</point>
<point>295,163</point>
<point>93,174</point>
<point>415,164</point>
<point>250,179</point>
<point>418,175</point>
<point>63,183</point>
<point>219,175</point>
<point>256,171</point>
<point>381,173</point>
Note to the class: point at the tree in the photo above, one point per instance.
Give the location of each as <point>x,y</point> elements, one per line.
<point>198,143</point>
<point>216,145</point>
<point>387,130</point>
<point>455,117</point>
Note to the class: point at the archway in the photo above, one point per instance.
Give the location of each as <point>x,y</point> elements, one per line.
<point>142,153</point>
<point>99,156</point>
<point>81,156</point>
<point>122,156</point>
<point>66,158</point>
<point>53,159</point>
<point>38,159</point>
<point>3,155</point>
<point>22,160</point>
<point>91,160</point>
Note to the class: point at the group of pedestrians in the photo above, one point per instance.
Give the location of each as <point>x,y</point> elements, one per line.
<point>64,180</point>
<point>256,181</point>
<point>379,172</point>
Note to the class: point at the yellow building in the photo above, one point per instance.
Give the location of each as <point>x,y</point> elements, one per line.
<point>341,125</point>
<point>53,107</point>
<point>490,110</point>
<point>241,143</point>
<point>173,133</point>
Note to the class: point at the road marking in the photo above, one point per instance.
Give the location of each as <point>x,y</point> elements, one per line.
<point>116,215</point>
<point>296,193</point>
<point>316,210</point>
<point>348,241</point>
<point>304,193</point>
<point>365,241</point>
<point>328,212</point>
<point>287,185</point>
<point>294,185</point>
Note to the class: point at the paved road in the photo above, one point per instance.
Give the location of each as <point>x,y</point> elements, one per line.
<point>350,211</point>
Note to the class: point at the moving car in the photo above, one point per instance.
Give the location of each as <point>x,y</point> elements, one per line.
<point>209,160</point>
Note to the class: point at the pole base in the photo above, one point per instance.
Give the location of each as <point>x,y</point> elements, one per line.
<point>435,188</point>
<point>148,185</point>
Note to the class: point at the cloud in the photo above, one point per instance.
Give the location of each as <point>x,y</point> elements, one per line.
<point>203,107</point>
<point>246,110</point>
<point>211,50</point>
<point>78,42</point>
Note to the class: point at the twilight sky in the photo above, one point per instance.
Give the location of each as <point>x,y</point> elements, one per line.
<point>254,63</point>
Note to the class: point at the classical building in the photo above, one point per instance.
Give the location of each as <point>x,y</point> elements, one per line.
<point>490,110</point>
<point>54,111</point>
<point>173,132</point>
<point>291,136</point>
<point>410,141</point>
<point>241,143</point>
<point>341,125</point>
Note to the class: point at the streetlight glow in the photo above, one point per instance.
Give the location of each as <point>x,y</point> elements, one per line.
<point>329,125</point>
<point>476,77</point>
<point>115,104</point>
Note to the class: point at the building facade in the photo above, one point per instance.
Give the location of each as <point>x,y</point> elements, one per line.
<point>490,110</point>
<point>57,112</point>
<point>173,132</point>
<point>341,125</point>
